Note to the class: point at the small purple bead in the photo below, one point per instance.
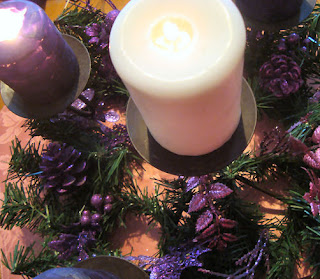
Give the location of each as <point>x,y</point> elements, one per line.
<point>108,199</point>
<point>96,218</point>
<point>107,208</point>
<point>96,201</point>
<point>86,213</point>
<point>85,220</point>
<point>293,38</point>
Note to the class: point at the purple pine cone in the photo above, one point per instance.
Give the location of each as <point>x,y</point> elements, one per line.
<point>62,168</point>
<point>280,76</point>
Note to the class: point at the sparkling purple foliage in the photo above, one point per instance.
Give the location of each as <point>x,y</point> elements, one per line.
<point>210,224</point>
<point>172,264</point>
<point>313,196</point>
<point>99,34</point>
<point>69,245</point>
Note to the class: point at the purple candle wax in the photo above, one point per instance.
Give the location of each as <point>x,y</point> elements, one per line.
<point>35,60</point>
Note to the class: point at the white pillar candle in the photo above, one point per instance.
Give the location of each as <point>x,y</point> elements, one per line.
<point>182,63</point>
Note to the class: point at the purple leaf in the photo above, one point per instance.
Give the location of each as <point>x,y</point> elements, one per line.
<point>312,159</point>
<point>229,237</point>
<point>207,232</point>
<point>314,208</point>
<point>94,40</point>
<point>197,202</point>
<point>227,223</point>
<point>219,191</point>
<point>192,183</point>
<point>204,220</point>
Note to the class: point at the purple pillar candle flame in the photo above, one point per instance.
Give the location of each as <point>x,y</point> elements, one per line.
<point>35,60</point>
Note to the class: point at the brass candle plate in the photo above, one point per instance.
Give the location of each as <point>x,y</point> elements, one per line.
<point>117,266</point>
<point>306,9</point>
<point>169,162</point>
<point>28,110</point>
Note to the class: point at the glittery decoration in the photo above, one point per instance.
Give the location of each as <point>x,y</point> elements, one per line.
<point>99,33</point>
<point>171,265</point>
<point>112,116</point>
<point>312,159</point>
<point>316,135</point>
<point>88,94</point>
<point>210,224</point>
<point>313,196</point>
<point>115,137</point>
<point>252,259</point>
<point>68,245</point>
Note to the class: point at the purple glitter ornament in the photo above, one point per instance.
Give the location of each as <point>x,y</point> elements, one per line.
<point>280,76</point>
<point>112,116</point>
<point>88,94</point>
<point>69,245</point>
<point>171,265</point>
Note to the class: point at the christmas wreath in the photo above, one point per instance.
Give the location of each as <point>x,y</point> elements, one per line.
<point>76,186</point>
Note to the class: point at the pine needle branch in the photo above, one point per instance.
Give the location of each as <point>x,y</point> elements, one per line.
<point>26,262</point>
<point>24,161</point>
<point>22,208</point>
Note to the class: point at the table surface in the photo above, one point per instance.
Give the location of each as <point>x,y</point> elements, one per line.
<point>137,237</point>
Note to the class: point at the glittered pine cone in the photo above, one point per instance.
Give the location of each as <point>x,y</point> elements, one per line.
<point>280,76</point>
<point>62,168</point>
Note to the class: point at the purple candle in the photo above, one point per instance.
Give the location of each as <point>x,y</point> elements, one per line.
<point>35,61</point>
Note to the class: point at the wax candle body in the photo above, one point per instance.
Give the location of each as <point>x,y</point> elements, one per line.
<point>38,64</point>
<point>182,64</point>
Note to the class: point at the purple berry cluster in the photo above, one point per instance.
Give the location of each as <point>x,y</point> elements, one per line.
<point>292,43</point>
<point>102,205</point>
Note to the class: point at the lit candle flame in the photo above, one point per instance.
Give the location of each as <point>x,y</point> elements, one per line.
<point>11,22</point>
<point>172,34</point>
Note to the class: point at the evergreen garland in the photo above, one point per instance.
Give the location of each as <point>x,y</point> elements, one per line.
<point>208,231</point>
